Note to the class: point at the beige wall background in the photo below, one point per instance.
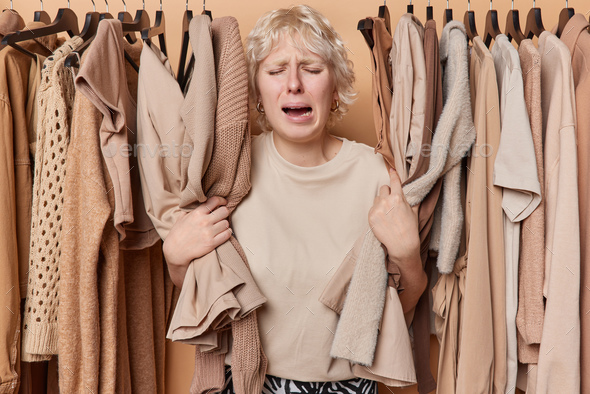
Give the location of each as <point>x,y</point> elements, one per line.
<point>344,15</point>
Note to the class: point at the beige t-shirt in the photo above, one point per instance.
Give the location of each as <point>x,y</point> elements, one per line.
<point>296,226</point>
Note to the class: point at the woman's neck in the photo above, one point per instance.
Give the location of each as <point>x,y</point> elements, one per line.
<point>309,153</point>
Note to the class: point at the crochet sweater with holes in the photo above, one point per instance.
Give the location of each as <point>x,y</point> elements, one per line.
<point>55,99</point>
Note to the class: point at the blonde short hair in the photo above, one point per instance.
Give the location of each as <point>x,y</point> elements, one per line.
<point>318,36</point>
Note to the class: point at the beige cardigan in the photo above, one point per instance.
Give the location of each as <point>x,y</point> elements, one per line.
<point>559,362</point>
<point>55,98</point>
<point>577,38</point>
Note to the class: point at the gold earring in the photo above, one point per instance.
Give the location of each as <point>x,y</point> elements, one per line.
<point>260,108</point>
<point>335,109</point>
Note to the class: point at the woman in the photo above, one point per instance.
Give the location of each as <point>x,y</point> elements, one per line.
<point>312,195</point>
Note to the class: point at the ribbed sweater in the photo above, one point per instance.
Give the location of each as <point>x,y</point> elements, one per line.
<point>228,175</point>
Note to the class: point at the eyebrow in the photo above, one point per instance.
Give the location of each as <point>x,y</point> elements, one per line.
<point>303,61</point>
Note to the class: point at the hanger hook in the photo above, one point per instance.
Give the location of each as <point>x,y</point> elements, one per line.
<point>534,4</point>
<point>143,2</point>
<point>107,3</point>
<point>468,5</point>
<point>160,5</point>
<point>186,5</point>
<point>11,4</point>
<point>93,6</point>
<point>512,8</point>
<point>490,4</point>
<point>203,5</point>
<point>124,6</point>
<point>447,4</point>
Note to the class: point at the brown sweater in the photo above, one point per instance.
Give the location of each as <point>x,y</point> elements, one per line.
<point>114,302</point>
<point>228,175</point>
<point>18,83</point>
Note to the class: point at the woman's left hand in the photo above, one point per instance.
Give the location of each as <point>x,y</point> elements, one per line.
<point>395,224</point>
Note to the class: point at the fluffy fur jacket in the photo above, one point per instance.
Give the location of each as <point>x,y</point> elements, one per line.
<point>357,331</point>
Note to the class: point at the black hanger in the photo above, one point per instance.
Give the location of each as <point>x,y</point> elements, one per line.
<point>158,29</point>
<point>469,22</point>
<point>384,14</point>
<point>65,21</point>
<point>186,19</point>
<point>125,17</point>
<point>492,29</point>
<point>429,12</point>
<point>534,23</point>
<point>512,29</point>
<point>42,16</point>
<point>564,16</point>
<point>410,8</point>
<point>447,14</point>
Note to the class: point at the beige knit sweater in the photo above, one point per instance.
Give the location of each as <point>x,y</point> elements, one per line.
<point>222,168</point>
<point>531,304</point>
<point>55,99</point>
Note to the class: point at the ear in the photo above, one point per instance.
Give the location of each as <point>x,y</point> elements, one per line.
<point>336,95</point>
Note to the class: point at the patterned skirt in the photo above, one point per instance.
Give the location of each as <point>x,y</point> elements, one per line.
<point>275,385</point>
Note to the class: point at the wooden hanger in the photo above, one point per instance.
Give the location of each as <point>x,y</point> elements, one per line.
<point>512,29</point>
<point>365,26</point>
<point>447,14</point>
<point>90,24</point>
<point>534,23</point>
<point>429,12</point>
<point>125,17</point>
<point>410,8</point>
<point>186,19</point>
<point>73,59</point>
<point>564,17</point>
<point>205,11</point>
<point>384,14</point>
<point>141,21</point>
<point>107,14</point>
<point>158,29</point>
<point>492,29</point>
<point>65,21</point>
<point>469,22</point>
<point>42,16</point>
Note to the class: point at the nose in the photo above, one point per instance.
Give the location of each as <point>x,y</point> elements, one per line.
<point>294,84</point>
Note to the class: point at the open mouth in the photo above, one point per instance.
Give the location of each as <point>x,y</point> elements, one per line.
<point>297,111</point>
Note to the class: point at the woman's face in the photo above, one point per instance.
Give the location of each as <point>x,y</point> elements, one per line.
<point>297,89</point>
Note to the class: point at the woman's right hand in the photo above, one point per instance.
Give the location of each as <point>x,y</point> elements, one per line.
<point>194,235</point>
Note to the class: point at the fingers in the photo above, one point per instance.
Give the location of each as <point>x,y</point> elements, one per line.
<point>223,232</point>
<point>395,183</point>
<point>212,203</point>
